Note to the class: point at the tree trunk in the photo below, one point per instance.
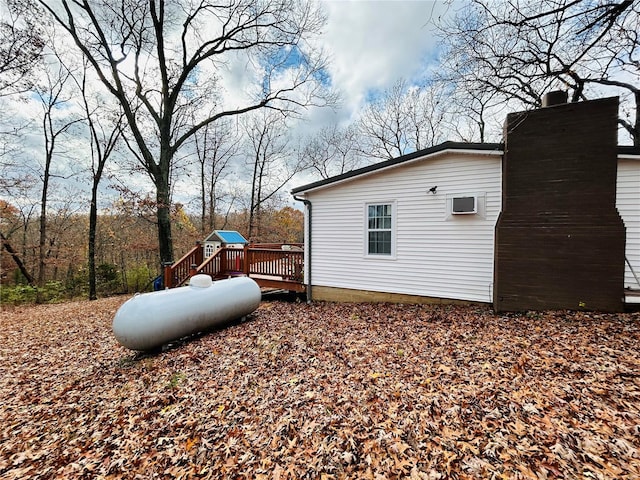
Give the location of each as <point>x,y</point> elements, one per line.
<point>43,240</point>
<point>203,199</point>
<point>165,240</point>
<point>212,208</point>
<point>93,222</point>
<point>43,226</point>
<point>18,261</point>
<point>123,273</point>
<point>252,204</point>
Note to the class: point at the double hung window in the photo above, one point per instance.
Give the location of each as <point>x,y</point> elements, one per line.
<point>380,229</point>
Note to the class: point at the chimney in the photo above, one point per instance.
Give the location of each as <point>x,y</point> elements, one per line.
<point>559,240</point>
<point>557,97</point>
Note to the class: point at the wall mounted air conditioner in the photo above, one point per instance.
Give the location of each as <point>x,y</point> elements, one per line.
<point>464,205</point>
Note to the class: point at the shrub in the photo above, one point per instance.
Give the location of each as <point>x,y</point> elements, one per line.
<point>108,279</point>
<point>77,285</point>
<point>140,279</point>
<point>53,292</point>
<point>18,294</point>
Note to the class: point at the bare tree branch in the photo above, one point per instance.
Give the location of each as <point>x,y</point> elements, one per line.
<point>160,58</point>
<point>520,50</point>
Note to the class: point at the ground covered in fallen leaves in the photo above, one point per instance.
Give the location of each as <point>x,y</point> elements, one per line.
<point>323,391</point>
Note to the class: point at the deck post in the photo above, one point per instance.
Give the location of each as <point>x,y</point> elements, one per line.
<point>245,265</point>
<point>168,274</point>
<point>223,253</point>
<point>199,253</point>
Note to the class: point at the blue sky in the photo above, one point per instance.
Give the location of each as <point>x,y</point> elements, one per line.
<point>370,46</point>
<point>373,44</point>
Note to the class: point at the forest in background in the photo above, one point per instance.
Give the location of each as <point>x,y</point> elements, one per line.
<point>126,249</point>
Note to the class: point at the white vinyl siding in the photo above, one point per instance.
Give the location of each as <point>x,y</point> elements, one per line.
<point>628,204</point>
<point>436,254</point>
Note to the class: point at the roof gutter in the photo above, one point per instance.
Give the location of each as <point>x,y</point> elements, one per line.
<point>308,259</point>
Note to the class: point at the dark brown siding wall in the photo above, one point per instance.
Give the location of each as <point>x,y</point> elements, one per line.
<point>559,239</point>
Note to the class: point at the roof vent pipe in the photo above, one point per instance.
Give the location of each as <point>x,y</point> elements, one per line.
<point>557,97</point>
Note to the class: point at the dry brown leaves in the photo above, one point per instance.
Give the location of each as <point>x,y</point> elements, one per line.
<point>323,391</point>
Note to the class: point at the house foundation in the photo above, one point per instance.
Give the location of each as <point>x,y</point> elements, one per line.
<point>335,294</point>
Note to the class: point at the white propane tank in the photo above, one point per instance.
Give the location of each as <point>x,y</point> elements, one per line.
<point>150,320</point>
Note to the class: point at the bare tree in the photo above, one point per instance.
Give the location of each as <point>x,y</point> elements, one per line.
<point>404,119</point>
<point>226,205</point>
<point>520,50</point>
<point>428,115</point>
<point>382,124</point>
<point>105,127</point>
<point>21,45</point>
<point>160,58</point>
<point>273,162</point>
<point>52,92</point>
<point>473,107</point>
<point>216,146</point>
<point>333,151</point>
<point>12,140</point>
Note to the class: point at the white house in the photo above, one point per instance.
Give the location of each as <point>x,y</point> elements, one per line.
<point>422,227</point>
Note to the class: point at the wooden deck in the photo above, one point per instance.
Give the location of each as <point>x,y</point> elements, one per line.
<point>270,265</point>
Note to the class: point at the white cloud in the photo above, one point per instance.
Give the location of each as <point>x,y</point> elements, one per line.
<point>372,44</point>
<point>238,78</point>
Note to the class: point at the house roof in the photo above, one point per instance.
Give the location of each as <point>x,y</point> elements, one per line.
<point>226,236</point>
<point>457,146</point>
<point>460,146</point>
<point>628,150</point>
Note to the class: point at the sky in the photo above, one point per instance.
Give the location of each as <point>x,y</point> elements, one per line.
<point>373,44</point>
<point>370,46</point>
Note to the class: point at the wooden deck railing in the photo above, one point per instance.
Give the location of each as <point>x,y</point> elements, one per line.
<point>280,267</point>
<point>179,272</point>
<point>276,263</point>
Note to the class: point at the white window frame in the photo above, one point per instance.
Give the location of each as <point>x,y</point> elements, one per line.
<point>380,256</point>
